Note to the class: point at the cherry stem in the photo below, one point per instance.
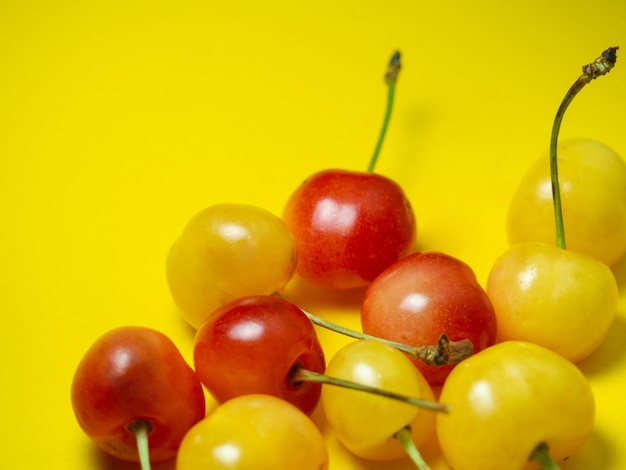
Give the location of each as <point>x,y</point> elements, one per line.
<point>541,456</point>
<point>391,77</point>
<point>404,436</point>
<point>445,352</point>
<point>299,374</point>
<point>601,66</point>
<point>141,428</point>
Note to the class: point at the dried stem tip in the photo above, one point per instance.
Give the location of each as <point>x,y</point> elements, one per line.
<point>446,352</point>
<point>602,65</point>
<point>394,68</point>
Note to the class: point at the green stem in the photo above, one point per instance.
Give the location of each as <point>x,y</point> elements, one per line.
<point>601,66</point>
<point>300,374</point>
<point>542,457</point>
<point>390,78</point>
<point>141,428</point>
<point>404,436</point>
<point>445,352</point>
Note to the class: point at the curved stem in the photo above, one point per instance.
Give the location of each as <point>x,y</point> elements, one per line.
<point>300,374</point>
<point>390,78</point>
<point>554,172</point>
<point>141,428</point>
<point>542,457</point>
<point>404,436</point>
<point>445,352</point>
<point>601,66</point>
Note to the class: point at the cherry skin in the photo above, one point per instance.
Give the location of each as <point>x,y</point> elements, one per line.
<point>349,226</point>
<point>509,400</point>
<point>424,295</point>
<point>252,344</point>
<point>562,300</point>
<point>130,375</point>
<point>254,432</point>
<point>593,193</point>
<point>227,251</point>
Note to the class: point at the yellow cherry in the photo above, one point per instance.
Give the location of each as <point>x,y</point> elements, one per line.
<point>593,192</point>
<point>225,252</point>
<point>562,300</point>
<point>511,403</point>
<point>367,423</point>
<point>253,432</point>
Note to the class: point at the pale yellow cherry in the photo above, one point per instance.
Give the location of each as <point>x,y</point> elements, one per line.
<point>228,251</point>
<point>559,299</point>
<point>368,424</point>
<point>593,193</point>
<point>513,403</point>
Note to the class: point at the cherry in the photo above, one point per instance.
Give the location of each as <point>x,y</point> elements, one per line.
<point>250,345</point>
<point>133,388</point>
<point>593,182</point>
<point>227,251</point>
<point>254,432</point>
<point>370,426</point>
<point>560,299</point>
<point>512,403</point>
<point>348,225</point>
<point>424,294</point>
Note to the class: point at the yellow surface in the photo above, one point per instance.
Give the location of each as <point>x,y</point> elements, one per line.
<point>120,120</point>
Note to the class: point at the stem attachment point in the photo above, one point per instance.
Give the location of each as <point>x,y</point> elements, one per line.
<point>141,428</point>
<point>541,456</point>
<point>404,436</point>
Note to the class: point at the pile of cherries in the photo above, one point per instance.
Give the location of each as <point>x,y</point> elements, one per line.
<point>490,373</point>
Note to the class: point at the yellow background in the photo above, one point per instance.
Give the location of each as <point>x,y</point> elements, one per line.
<point>119,120</point>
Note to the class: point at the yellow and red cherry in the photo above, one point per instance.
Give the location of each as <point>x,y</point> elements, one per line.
<point>254,432</point>
<point>593,191</point>
<point>349,225</point>
<point>135,396</point>
<point>545,293</point>
<point>371,426</point>
<point>426,294</point>
<point>228,251</point>
<point>513,403</point>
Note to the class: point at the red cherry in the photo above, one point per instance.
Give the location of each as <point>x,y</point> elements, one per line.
<point>132,375</point>
<point>424,295</point>
<point>252,344</point>
<point>349,226</point>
